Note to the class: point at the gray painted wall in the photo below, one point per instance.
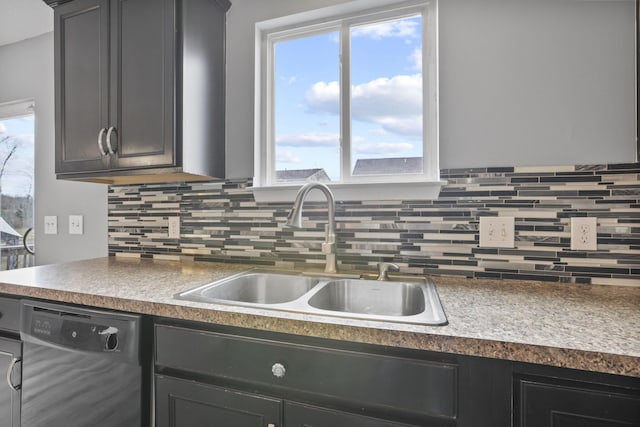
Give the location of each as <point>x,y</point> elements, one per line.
<point>491,88</point>
<point>526,82</point>
<point>536,82</point>
<point>27,72</point>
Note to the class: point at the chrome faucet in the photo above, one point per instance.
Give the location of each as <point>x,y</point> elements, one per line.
<point>384,268</point>
<point>294,219</point>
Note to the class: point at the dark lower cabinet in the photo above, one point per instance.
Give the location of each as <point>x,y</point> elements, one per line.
<point>10,356</point>
<point>314,385</point>
<point>551,402</point>
<point>183,403</point>
<point>298,415</point>
<point>235,377</point>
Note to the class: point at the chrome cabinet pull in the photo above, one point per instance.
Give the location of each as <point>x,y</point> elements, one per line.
<point>112,148</point>
<point>12,365</point>
<point>100,146</point>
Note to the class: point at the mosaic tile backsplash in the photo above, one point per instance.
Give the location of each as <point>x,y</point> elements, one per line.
<point>221,221</point>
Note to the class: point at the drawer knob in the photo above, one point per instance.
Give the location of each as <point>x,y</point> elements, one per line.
<point>278,370</point>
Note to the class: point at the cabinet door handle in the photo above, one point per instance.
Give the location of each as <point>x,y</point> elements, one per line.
<point>278,370</point>
<point>100,146</point>
<point>12,365</point>
<point>112,148</point>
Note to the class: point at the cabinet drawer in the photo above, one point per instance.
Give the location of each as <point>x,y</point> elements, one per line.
<point>551,402</point>
<point>9,314</point>
<point>363,379</point>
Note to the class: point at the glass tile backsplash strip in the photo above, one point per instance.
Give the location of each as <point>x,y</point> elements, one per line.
<point>221,221</point>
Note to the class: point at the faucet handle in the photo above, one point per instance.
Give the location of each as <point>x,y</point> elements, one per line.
<point>384,268</point>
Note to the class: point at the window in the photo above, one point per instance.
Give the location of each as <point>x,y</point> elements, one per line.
<point>350,100</point>
<point>17,131</point>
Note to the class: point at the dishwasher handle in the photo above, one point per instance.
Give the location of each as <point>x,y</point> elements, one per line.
<point>12,365</point>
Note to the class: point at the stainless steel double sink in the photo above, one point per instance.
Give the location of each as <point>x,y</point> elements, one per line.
<point>390,301</point>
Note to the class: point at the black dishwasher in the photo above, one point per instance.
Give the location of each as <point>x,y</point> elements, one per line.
<point>81,367</point>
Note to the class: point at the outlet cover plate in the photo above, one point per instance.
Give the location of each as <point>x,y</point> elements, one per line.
<point>76,224</point>
<point>50,225</point>
<point>584,234</point>
<point>497,232</point>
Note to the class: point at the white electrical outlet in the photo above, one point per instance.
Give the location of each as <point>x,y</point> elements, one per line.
<point>584,234</point>
<point>174,227</point>
<point>50,225</point>
<point>497,232</point>
<point>76,224</point>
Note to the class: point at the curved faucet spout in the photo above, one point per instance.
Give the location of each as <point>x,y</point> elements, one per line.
<point>294,219</point>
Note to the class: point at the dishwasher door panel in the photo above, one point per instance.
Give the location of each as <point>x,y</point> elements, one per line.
<point>78,389</point>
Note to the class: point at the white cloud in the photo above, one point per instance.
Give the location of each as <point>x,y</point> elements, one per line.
<point>383,148</point>
<point>324,97</point>
<point>287,156</point>
<point>416,59</point>
<point>402,28</point>
<point>26,139</point>
<point>383,97</point>
<point>309,140</point>
<point>393,103</point>
<point>406,126</point>
<point>288,79</point>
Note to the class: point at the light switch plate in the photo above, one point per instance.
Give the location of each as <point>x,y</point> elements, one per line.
<point>50,225</point>
<point>174,227</point>
<point>76,225</point>
<point>584,234</point>
<point>497,232</point>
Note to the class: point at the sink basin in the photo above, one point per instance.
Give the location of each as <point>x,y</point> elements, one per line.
<point>390,301</point>
<point>253,288</point>
<point>370,297</point>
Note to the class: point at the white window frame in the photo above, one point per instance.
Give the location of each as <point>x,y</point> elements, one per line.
<point>369,187</point>
<point>16,109</point>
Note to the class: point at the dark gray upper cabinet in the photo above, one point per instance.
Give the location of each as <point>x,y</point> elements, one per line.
<point>140,90</point>
<point>142,75</point>
<point>82,84</point>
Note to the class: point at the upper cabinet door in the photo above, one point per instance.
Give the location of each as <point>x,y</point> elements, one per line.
<point>142,83</point>
<point>82,89</point>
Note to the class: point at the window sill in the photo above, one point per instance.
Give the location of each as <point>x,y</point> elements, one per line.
<point>425,190</point>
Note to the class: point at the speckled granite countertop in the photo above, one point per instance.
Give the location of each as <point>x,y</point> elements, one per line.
<point>595,328</point>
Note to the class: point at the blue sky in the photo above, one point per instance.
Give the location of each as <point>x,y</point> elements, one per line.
<point>386,96</point>
<point>18,175</point>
